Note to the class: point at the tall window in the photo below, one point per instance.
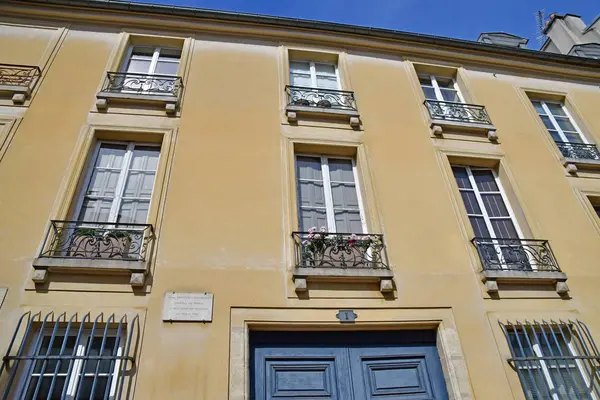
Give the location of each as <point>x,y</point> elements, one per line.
<point>440,88</point>
<point>486,204</point>
<point>552,360</point>
<point>314,74</point>
<point>558,121</point>
<point>118,187</point>
<point>152,60</point>
<point>328,194</point>
<point>75,378</point>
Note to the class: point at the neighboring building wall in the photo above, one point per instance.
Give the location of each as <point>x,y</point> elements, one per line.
<point>224,202</point>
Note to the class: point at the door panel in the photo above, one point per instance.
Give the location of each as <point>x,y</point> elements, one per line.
<point>393,365</point>
<point>306,373</point>
<point>397,373</point>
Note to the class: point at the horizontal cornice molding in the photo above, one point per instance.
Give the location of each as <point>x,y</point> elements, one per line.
<point>194,20</point>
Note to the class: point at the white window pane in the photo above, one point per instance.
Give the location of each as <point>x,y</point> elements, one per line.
<point>325,69</point>
<point>134,211</point>
<point>485,180</point>
<point>425,80</point>
<point>111,155</point>
<point>146,51</point>
<point>308,218</point>
<point>344,195</point>
<point>547,122</point>
<point>429,92</point>
<point>494,205</point>
<point>462,177</point>
<point>311,194</point>
<point>145,158</point>
<point>450,95</point>
<point>297,79</point>
<point>139,66</point>
<point>445,83</point>
<point>308,168</point>
<point>300,66</point>
<point>538,107</point>
<point>139,184</point>
<point>470,201</point>
<point>556,109</point>
<point>341,170</point>
<point>94,210</point>
<point>326,82</point>
<point>555,135</point>
<point>103,183</point>
<point>479,227</point>
<point>573,137</point>
<point>348,221</point>
<point>565,124</point>
<point>166,68</point>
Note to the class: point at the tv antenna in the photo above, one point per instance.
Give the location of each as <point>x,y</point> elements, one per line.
<point>540,21</point>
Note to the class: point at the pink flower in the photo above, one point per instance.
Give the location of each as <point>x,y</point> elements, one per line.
<point>312,230</point>
<point>353,237</point>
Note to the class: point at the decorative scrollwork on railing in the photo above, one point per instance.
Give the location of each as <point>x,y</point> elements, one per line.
<point>91,240</point>
<point>451,111</point>
<point>339,250</point>
<point>320,98</point>
<point>124,82</point>
<point>19,75</point>
<point>579,151</point>
<point>516,255</point>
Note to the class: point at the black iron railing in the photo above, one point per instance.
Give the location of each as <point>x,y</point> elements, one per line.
<point>452,111</point>
<point>579,151</point>
<point>125,82</point>
<point>92,240</point>
<point>320,98</point>
<point>19,75</point>
<point>516,255</point>
<point>339,250</point>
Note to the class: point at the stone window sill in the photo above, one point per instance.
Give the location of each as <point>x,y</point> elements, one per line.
<point>45,265</point>
<point>19,93</point>
<point>439,125</point>
<point>302,276</point>
<point>492,278</point>
<point>170,103</point>
<point>292,112</point>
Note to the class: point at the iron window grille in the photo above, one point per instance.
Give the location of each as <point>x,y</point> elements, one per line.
<point>19,75</point>
<point>148,84</point>
<point>460,112</point>
<point>339,250</point>
<point>579,151</point>
<point>66,358</point>
<point>91,240</point>
<point>320,98</point>
<point>515,254</point>
<point>555,359</point>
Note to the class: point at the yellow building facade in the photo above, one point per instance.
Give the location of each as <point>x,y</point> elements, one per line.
<point>207,205</point>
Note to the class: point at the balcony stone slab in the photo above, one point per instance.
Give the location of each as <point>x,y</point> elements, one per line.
<point>304,275</point>
<point>491,278</point>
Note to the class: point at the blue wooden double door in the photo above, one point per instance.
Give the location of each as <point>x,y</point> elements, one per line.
<point>373,365</point>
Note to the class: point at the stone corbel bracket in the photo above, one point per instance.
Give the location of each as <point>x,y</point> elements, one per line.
<point>303,276</point>
<point>491,279</point>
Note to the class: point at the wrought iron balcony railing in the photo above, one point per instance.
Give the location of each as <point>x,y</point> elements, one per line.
<point>339,250</point>
<point>528,255</point>
<point>98,240</point>
<point>579,151</point>
<point>320,98</point>
<point>125,82</point>
<point>460,112</point>
<point>19,75</point>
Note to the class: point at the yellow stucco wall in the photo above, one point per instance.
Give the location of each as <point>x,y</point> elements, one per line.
<point>224,210</point>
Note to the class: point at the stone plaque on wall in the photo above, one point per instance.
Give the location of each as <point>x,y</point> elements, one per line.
<point>190,307</point>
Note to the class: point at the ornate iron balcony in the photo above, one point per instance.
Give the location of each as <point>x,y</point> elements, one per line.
<point>528,255</point>
<point>98,240</point>
<point>320,98</point>
<point>125,82</point>
<point>579,151</point>
<point>339,250</point>
<point>19,75</point>
<point>460,112</point>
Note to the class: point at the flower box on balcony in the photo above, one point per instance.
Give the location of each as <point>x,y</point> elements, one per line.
<point>340,257</point>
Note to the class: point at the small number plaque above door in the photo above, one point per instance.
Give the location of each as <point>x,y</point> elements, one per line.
<point>346,316</point>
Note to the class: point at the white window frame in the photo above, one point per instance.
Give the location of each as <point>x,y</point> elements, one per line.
<point>329,209</point>
<point>313,73</point>
<point>72,379</point>
<point>546,368</point>
<point>436,87</point>
<point>120,188</point>
<point>155,55</point>
<point>557,127</point>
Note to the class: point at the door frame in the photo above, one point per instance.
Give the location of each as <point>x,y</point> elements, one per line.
<point>244,320</point>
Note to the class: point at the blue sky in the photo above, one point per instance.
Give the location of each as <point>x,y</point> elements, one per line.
<point>463,19</point>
